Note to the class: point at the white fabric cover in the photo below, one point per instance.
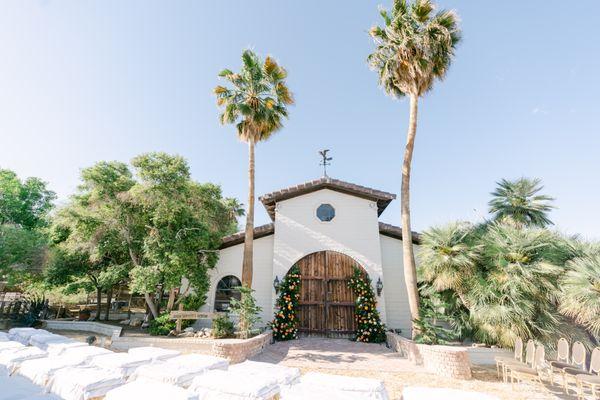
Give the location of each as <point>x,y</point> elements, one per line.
<point>308,392</point>
<point>19,388</point>
<point>10,345</point>
<point>83,383</point>
<point>11,359</point>
<point>58,348</point>
<point>283,375</point>
<point>22,335</point>
<point>88,352</point>
<point>373,389</point>
<point>180,370</point>
<point>122,363</point>
<point>4,337</point>
<point>40,370</point>
<point>41,340</point>
<point>227,385</point>
<point>418,393</point>
<point>155,353</point>
<point>149,390</point>
<point>3,371</point>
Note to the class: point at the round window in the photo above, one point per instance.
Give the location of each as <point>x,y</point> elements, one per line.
<point>325,212</point>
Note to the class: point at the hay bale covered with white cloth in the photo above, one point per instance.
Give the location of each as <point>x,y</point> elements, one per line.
<point>285,376</point>
<point>10,345</point>
<point>358,388</point>
<point>22,335</point>
<point>155,353</point>
<point>58,348</point>
<point>180,370</point>
<point>11,359</point>
<point>83,383</point>
<point>227,385</point>
<point>418,393</point>
<point>149,390</point>
<point>41,370</point>
<point>88,352</point>
<point>4,337</point>
<point>122,363</point>
<point>41,340</point>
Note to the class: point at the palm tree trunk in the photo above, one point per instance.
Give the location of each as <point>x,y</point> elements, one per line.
<point>249,234</point>
<point>410,269</point>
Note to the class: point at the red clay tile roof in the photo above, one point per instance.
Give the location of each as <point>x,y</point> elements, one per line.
<point>382,198</point>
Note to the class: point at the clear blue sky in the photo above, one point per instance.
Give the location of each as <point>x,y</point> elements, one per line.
<point>82,81</point>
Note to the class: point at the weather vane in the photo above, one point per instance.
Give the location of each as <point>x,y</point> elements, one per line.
<point>325,161</point>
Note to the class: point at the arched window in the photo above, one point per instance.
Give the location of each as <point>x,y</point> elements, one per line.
<point>227,290</point>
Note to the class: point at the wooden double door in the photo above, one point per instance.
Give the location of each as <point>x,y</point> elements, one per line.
<point>326,305</point>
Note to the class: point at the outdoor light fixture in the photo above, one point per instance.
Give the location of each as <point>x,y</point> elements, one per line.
<point>379,286</point>
<point>276,284</point>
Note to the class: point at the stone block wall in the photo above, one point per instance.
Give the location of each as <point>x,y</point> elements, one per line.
<point>446,361</point>
<point>238,350</point>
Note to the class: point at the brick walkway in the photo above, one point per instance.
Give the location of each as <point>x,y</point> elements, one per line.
<point>344,357</point>
<point>336,354</point>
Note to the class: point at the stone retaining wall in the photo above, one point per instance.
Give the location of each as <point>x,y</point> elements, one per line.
<point>111,331</point>
<point>235,350</point>
<point>447,361</point>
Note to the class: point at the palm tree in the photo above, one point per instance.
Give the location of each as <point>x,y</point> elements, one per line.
<point>519,201</point>
<point>580,292</point>
<point>256,102</point>
<point>448,259</point>
<point>414,48</point>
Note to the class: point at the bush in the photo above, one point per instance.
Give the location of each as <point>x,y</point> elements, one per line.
<point>163,325</point>
<point>222,327</point>
<point>247,311</point>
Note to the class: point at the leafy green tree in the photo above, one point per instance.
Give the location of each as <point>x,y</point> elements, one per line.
<point>24,203</point>
<point>414,47</point>
<point>246,310</point>
<point>22,253</point>
<point>519,201</point>
<point>183,225</point>
<point>256,102</point>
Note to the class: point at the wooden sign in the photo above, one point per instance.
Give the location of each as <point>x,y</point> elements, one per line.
<point>180,315</point>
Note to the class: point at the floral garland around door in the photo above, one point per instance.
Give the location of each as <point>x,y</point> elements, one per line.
<point>285,323</point>
<point>369,328</point>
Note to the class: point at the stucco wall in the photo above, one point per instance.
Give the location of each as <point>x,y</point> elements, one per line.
<point>230,263</point>
<point>354,231</point>
<point>394,286</point>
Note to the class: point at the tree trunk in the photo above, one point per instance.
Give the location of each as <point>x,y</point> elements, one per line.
<point>98,302</point>
<point>171,301</point>
<point>109,293</point>
<point>410,270</point>
<point>249,234</point>
<point>151,305</point>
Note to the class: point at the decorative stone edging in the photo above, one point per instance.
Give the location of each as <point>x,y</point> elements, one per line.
<point>446,361</point>
<point>235,350</point>
<point>111,331</point>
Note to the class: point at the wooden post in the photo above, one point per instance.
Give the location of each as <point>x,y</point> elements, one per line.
<point>178,325</point>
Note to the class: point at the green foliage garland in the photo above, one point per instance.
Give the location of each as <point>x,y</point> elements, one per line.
<point>285,323</point>
<point>369,327</point>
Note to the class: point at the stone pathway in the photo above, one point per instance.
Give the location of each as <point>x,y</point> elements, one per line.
<point>336,354</point>
<point>344,357</point>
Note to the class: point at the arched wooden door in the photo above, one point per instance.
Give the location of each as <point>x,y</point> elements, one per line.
<point>326,303</point>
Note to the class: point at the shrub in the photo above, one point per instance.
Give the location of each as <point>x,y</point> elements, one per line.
<point>222,327</point>
<point>163,325</point>
<point>247,312</point>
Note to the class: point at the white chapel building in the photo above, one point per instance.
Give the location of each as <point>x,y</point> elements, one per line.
<point>327,227</point>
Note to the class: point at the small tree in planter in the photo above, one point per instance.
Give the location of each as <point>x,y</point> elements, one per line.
<point>285,323</point>
<point>246,310</point>
<point>369,329</point>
